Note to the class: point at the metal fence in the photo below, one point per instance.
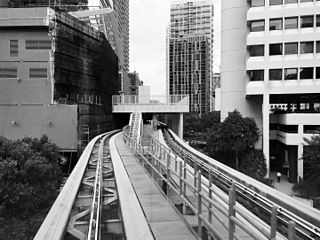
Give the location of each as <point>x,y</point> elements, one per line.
<point>206,201</point>
<point>149,100</point>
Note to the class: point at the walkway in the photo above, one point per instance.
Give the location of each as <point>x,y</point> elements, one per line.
<point>164,220</point>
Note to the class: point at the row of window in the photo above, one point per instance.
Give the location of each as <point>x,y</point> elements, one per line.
<point>33,73</point>
<point>307,129</point>
<point>285,48</point>
<point>308,21</point>
<point>259,3</point>
<point>30,45</point>
<point>286,74</point>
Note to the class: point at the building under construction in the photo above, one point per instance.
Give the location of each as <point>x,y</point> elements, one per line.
<point>57,75</point>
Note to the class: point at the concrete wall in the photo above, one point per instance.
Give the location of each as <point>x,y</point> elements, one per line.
<point>59,122</point>
<point>234,77</point>
<point>23,89</point>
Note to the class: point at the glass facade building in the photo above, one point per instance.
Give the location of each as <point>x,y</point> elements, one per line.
<point>190,53</point>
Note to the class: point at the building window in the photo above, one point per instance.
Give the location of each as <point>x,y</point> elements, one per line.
<point>291,48</point>
<point>256,50</point>
<point>257,26</point>
<point>302,1</point>
<point>318,72</point>
<point>275,49</point>
<point>311,129</point>
<point>256,75</point>
<point>275,2</point>
<point>318,47</point>
<point>38,73</point>
<point>291,23</point>
<point>306,73</point>
<point>306,21</point>
<point>257,3</point>
<point>275,24</point>
<point>318,21</point>
<point>38,44</point>
<point>290,73</point>
<point>306,47</point>
<point>8,73</point>
<point>13,48</point>
<point>275,74</point>
<point>291,1</point>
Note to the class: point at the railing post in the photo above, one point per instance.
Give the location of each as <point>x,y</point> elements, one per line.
<point>232,213</point>
<point>180,179</point>
<point>168,173</point>
<point>291,230</point>
<point>184,174</point>
<point>196,168</point>
<point>273,225</point>
<point>198,176</point>
<point>210,196</point>
<point>175,163</point>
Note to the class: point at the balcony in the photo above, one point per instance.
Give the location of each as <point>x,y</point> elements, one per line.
<point>150,104</point>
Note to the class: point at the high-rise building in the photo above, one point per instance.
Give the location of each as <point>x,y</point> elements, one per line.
<point>132,83</point>
<point>121,8</point>
<point>117,29</point>
<point>271,72</point>
<point>190,52</point>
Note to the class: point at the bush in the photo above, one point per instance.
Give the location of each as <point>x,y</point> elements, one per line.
<point>29,179</point>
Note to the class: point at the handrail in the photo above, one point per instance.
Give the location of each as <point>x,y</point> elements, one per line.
<point>291,217</point>
<point>159,158</point>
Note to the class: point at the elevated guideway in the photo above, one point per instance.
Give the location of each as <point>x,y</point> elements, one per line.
<point>128,188</point>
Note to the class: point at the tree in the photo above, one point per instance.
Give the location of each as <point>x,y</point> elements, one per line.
<point>310,186</point>
<point>29,179</point>
<point>254,165</point>
<point>311,159</point>
<point>195,125</point>
<point>209,120</point>
<point>234,135</point>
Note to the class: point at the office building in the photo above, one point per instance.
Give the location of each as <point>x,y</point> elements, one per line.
<point>271,72</point>
<point>190,53</point>
<point>132,83</point>
<point>57,77</point>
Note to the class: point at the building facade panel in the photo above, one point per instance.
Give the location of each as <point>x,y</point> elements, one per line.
<point>281,67</point>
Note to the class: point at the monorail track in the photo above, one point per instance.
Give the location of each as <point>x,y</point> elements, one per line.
<point>262,206</point>
<point>88,206</point>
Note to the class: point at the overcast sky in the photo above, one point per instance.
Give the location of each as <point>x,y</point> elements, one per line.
<point>148,23</point>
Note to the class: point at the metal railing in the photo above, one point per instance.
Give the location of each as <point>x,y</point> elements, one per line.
<point>203,197</point>
<point>149,100</point>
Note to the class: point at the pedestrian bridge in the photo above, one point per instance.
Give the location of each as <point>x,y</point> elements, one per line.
<point>150,104</point>
<point>158,187</point>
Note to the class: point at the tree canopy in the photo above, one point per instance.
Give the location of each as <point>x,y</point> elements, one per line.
<point>311,159</point>
<point>29,179</point>
<point>195,125</point>
<point>234,135</point>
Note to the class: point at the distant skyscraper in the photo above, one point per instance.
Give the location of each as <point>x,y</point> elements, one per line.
<point>121,8</point>
<point>190,52</point>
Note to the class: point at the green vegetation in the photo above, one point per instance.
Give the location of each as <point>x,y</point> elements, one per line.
<point>230,142</point>
<point>310,186</point>
<point>232,138</point>
<point>29,179</point>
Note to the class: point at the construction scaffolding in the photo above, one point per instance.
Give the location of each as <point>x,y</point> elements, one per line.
<point>85,73</point>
